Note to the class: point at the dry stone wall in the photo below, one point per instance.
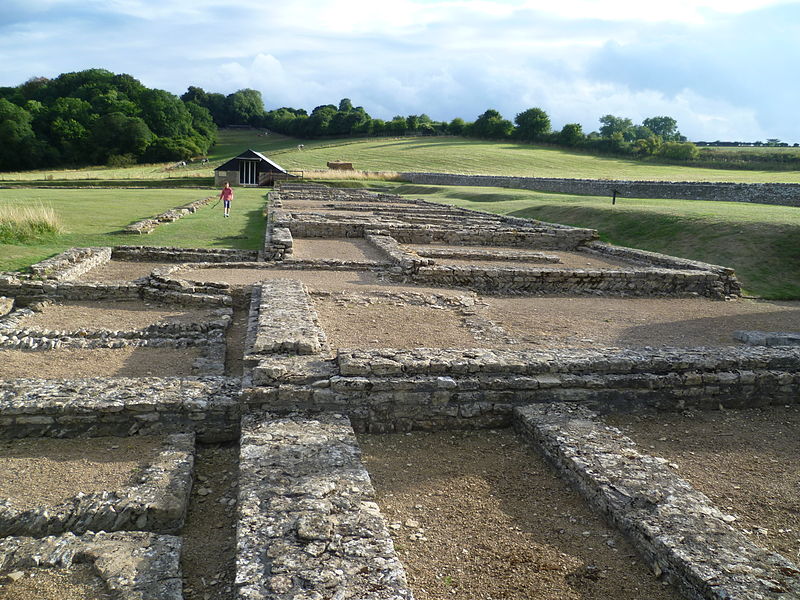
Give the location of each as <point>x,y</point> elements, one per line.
<point>787,194</point>
<point>309,526</point>
<point>207,406</point>
<point>71,263</point>
<point>133,565</point>
<point>683,536</point>
<point>148,225</point>
<point>401,390</point>
<point>156,502</point>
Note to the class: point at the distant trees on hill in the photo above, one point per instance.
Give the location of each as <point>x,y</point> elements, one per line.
<point>95,116</point>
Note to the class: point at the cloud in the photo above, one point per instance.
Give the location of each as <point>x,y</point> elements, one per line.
<point>721,67</point>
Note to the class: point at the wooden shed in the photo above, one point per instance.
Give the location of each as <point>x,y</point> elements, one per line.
<point>250,168</point>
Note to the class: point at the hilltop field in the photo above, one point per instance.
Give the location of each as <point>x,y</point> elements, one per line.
<point>759,241</point>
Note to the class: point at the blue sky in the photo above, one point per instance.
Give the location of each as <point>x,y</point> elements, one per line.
<point>725,69</point>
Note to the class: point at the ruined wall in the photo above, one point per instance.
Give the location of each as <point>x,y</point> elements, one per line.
<point>787,194</point>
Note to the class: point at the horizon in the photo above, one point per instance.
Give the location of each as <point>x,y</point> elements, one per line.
<point>718,67</point>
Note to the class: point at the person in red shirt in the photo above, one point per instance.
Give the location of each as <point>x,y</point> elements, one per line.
<point>226,195</point>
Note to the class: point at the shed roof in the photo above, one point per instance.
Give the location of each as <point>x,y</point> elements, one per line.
<point>249,155</point>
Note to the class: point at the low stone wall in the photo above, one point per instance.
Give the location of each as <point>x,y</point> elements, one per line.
<point>309,526</point>
<point>148,225</point>
<point>26,291</point>
<point>278,243</point>
<point>406,262</point>
<point>207,406</point>
<point>682,535</point>
<point>787,194</point>
<point>606,282</point>
<point>284,320</point>
<point>726,275</point>
<point>134,565</point>
<point>209,335</point>
<point>182,255</point>
<point>157,501</point>
<point>401,390</point>
<point>541,238</point>
<point>768,338</point>
<point>479,255</point>
<point>71,263</point>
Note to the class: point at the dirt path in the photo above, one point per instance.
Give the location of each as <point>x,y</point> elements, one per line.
<point>208,558</point>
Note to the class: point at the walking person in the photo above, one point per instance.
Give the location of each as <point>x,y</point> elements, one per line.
<point>226,195</point>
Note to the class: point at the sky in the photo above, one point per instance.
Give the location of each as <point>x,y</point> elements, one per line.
<point>725,69</point>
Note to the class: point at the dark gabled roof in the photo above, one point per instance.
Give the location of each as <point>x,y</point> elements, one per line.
<point>249,154</point>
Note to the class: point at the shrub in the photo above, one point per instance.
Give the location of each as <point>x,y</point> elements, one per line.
<point>679,151</point>
<point>121,160</point>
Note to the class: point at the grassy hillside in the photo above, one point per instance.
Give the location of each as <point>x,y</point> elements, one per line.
<point>95,217</point>
<point>761,242</point>
<point>439,154</point>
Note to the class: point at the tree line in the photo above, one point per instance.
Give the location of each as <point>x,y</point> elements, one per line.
<point>618,135</point>
<point>98,117</point>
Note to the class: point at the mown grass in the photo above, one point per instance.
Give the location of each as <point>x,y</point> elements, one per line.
<point>95,218</point>
<point>458,155</point>
<point>761,242</point>
<point>426,154</point>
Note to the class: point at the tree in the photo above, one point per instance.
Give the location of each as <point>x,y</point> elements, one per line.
<point>245,107</point>
<point>117,134</point>
<point>612,125</point>
<point>571,134</point>
<point>456,126</point>
<point>165,114</point>
<point>664,127</point>
<point>491,125</point>
<point>345,105</point>
<point>532,124</point>
<point>17,140</point>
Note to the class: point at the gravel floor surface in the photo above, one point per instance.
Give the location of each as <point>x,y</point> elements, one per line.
<point>746,461</point>
<point>478,515</point>
<point>78,582</point>
<point>118,316</point>
<point>47,471</point>
<point>66,363</point>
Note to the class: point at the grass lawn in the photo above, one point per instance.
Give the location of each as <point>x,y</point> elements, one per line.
<point>761,242</point>
<point>95,217</point>
<point>459,155</point>
<point>426,154</point>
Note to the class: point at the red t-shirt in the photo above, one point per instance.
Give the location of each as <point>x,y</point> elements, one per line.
<point>227,193</point>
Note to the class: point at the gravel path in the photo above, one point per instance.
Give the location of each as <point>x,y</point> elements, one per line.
<point>746,461</point>
<point>478,515</point>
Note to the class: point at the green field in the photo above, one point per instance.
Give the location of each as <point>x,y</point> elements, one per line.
<point>95,217</point>
<point>761,242</point>
<point>427,154</point>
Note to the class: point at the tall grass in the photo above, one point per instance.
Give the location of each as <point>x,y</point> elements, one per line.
<point>30,223</point>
